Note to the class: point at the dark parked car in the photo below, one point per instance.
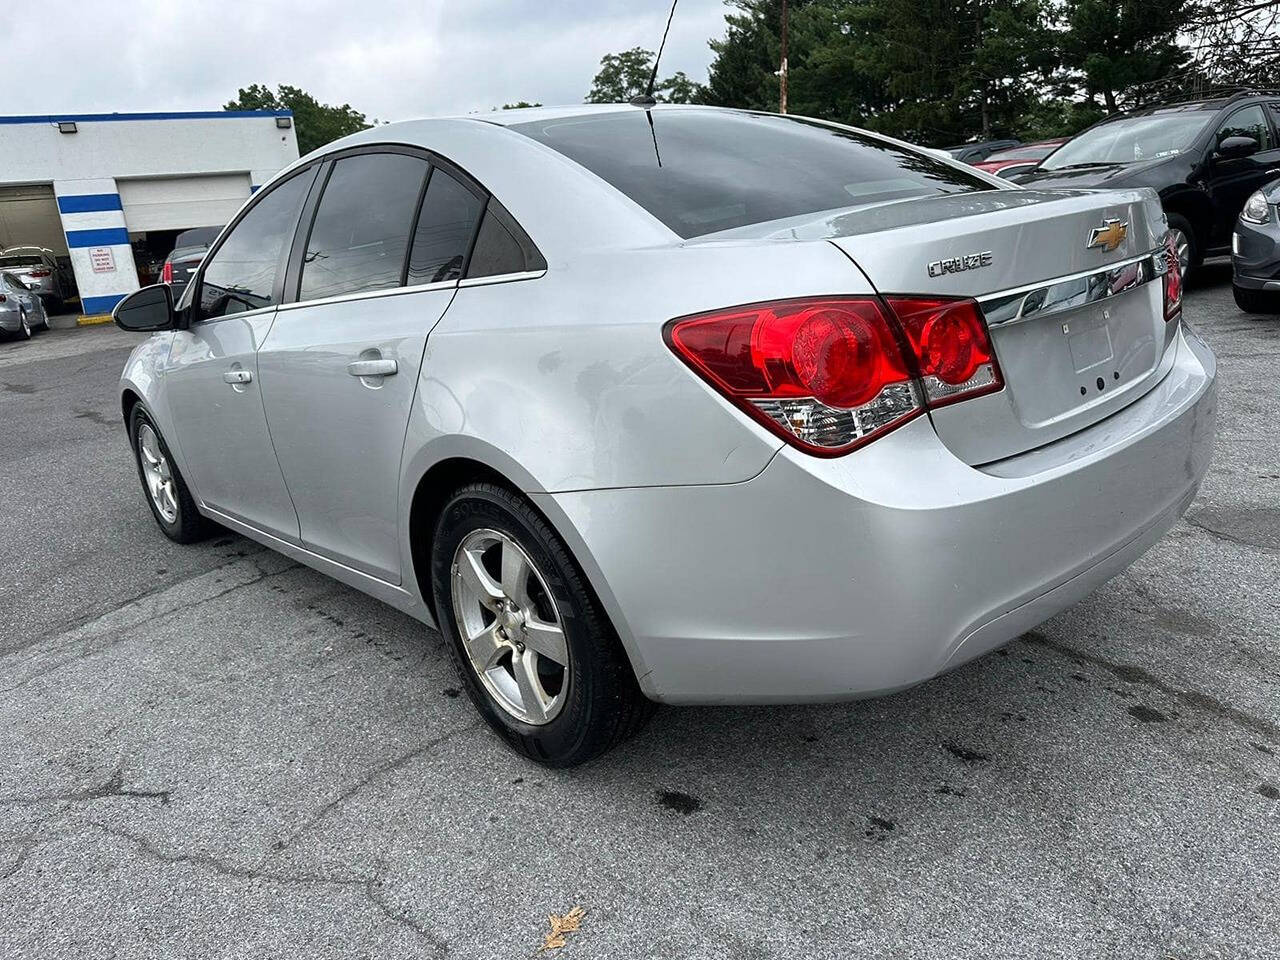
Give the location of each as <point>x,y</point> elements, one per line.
<point>1020,159</point>
<point>1204,157</point>
<point>1255,252</point>
<point>189,248</point>
<point>977,152</point>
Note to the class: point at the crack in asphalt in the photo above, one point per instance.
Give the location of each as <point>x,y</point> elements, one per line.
<point>1224,536</point>
<point>131,615</point>
<point>368,887</point>
<point>387,766</point>
<point>1193,699</point>
<point>113,787</point>
<point>79,623</point>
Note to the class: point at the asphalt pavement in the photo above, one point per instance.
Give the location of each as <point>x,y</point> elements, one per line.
<point>211,751</point>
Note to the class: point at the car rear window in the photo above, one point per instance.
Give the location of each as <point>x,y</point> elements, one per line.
<point>703,171</point>
<point>20,261</point>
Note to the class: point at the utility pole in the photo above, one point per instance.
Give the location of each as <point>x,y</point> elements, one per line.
<point>782,73</point>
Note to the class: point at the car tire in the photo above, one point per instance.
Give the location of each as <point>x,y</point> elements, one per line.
<point>1194,256</point>
<point>24,326</point>
<point>1256,301</point>
<point>174,508</point>
<point>563,714</point>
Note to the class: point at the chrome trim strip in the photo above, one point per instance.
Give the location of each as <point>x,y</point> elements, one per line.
<point>1072,291</point>
<point>371,294</point>
<point>502,278</point>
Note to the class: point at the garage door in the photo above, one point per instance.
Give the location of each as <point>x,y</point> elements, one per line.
<point>29,217</point>
<point>179,203</point>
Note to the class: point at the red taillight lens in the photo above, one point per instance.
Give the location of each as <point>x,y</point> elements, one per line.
<point>830,374</point>
<point>825,374</point>
<point>39,273</point>
<point>166,273</point>
<point>949,339</point>
<point>1172,279</point>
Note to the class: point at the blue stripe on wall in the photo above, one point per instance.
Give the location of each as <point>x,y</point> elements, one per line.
<point>90,203</point>
<point>105,237</point>
<point>101,304</point>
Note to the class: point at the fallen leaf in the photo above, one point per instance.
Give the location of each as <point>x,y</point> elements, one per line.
<point>561,927</point>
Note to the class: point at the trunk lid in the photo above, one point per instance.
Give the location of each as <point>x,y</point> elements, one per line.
<point>1078,330</point>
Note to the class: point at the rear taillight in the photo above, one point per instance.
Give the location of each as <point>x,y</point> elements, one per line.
<point>166,273</point>
<point>3,298</point>
<point>38,274</point>
<point>951,346</point>
<point>831,374</point>
<point>1172,279</point>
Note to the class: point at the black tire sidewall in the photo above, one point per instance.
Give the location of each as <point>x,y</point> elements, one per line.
<point>189,525</point>
<point>563,740</point>
<point>1178,222</point>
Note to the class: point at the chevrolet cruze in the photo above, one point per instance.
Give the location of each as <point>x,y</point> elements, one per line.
<point>677,404</point>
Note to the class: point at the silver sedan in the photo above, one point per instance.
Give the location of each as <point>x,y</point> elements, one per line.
<point>21,309</point>
<point>681,405</point>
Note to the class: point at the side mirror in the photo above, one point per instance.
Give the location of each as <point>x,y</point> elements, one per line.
<point>1233,148</point>
<point>31,285</point>
<point>149,309</point>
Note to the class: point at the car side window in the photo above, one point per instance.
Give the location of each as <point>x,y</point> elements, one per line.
<point>501,246</point>
<point>361,229</point>
<point>1248,122</point>
<point>446,225</point>
<point>241,274</point>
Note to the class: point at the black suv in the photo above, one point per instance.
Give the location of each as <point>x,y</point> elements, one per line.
<point>1204,157</point>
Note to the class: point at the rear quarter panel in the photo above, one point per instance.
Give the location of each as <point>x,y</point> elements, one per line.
<point>568,376</point>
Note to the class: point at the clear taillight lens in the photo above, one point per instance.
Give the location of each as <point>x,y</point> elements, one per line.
<point>1172,279</point>
<point>831,374</point>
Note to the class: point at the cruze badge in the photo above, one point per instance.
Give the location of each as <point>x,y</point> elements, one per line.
<point>970,261</point>
<point>1108,236</point>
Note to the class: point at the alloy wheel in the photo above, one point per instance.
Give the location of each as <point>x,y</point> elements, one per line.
<point>157,474</point>
<point>510,626</point>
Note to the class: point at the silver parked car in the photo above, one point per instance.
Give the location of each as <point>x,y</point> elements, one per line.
<point>21,310</point>
<point>40,270</point>
<point>684,405</point>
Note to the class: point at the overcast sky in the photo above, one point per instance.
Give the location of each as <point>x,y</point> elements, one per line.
<point>391,59</point>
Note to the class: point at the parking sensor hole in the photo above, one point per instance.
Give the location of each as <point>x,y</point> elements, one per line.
<point>1115,374</point>
<point>1083,391</point>
<point>1102,384</point>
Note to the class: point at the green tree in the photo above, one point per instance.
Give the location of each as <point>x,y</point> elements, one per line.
<point>519,105</point>
<point>625,75</point>
<point>1120,47</point>
<point>316,123</point>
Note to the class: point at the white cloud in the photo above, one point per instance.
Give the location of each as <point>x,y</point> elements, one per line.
<point>393,59</point>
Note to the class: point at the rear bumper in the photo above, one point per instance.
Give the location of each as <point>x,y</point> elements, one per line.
<point>832,579</point>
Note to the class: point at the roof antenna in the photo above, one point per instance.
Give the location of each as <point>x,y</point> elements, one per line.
<point>646,99</point>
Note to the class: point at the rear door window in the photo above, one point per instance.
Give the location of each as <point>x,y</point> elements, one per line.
<point>241,275</point>
<point>703,171</point>
<point>361,229</point>
<point>502,247</point>
<point>446,226</point>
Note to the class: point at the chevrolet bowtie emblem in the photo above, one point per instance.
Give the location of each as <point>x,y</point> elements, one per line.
<point>1108,236</point>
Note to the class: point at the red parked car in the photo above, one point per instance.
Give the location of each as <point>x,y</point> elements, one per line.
<point>1019,159</point>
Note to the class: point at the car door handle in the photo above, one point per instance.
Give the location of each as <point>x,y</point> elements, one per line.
<point>372,368</point>
<point>237,376</point>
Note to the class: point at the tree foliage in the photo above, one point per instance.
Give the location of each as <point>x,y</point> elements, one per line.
<point>943,71</point>
<point>625,75</point>
<point>316,123</point>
